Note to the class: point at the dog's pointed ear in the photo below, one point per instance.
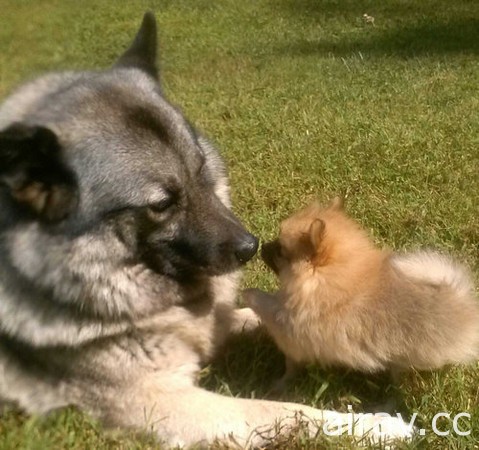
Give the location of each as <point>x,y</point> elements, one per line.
<point>316,233</point>
<point>32,171</point>
<point>142,52</point>
<point>337,203</point>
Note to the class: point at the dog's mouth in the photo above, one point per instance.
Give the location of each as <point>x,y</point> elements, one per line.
<point>270,254</point>
<point>190,259</point>
<point>207,239</point>
<point>229,256</point>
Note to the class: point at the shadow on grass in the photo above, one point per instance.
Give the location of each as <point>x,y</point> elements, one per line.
<point>409,41</point>
<point>403,29</point>
<point>249,365</point>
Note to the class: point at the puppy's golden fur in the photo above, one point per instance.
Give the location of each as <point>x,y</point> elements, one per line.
<point>343,302</point>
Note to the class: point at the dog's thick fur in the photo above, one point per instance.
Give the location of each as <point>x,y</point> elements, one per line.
<point>119,257</point>
<point>344,302</point>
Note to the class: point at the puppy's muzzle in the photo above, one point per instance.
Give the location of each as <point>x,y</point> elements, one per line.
<point>270,252</point>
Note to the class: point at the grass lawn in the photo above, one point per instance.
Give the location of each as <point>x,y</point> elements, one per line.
<point>304,100</point>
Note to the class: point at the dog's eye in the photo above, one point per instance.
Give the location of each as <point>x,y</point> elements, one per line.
<point>161,206</point>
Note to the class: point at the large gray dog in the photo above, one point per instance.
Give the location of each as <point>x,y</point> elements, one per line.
<point>118,260</point>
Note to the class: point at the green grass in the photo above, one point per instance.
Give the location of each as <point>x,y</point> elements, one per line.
<point>304,100</point>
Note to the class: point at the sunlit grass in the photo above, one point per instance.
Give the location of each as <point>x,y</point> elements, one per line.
<point>304,100</point>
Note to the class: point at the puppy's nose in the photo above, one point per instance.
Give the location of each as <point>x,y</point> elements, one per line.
<point>270,252</point>
<point>247,248</point>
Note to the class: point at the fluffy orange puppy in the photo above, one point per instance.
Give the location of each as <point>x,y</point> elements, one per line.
<point>344,302</point>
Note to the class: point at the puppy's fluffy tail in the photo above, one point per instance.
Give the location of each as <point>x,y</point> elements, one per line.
<point>436,269</point>
<point>450,311</point>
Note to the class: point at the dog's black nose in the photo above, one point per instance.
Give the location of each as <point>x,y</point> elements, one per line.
<point>247,248</point>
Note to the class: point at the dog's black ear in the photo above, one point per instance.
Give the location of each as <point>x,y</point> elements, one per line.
<point>32,171</point>
<point>316,233</point>
<point>142,52</point>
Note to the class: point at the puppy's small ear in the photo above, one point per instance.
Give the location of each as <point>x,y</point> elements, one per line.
<point>142,52</point>
<point>316,233</point>
<point>337,203</point>
<point>33,173</point>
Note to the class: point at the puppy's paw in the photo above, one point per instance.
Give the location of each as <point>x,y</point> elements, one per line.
<point>252,297</point>
<point>265,305</point>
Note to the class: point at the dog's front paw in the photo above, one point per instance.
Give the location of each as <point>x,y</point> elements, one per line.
<point>244,320</point>
<point>385,429</point>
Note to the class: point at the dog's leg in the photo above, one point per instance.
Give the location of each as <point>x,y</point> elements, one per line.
<point>194,416</point>
<point>267,306</point>
<point>396,374</point>
<point>292,369</point>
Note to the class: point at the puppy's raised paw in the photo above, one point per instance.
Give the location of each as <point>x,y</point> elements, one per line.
<point>262,303</point>
<point>252,296</point>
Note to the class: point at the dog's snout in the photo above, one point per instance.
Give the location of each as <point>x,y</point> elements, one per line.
<point>247,248</point>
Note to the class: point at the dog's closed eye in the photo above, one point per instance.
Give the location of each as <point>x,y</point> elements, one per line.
<point>161,206</point>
